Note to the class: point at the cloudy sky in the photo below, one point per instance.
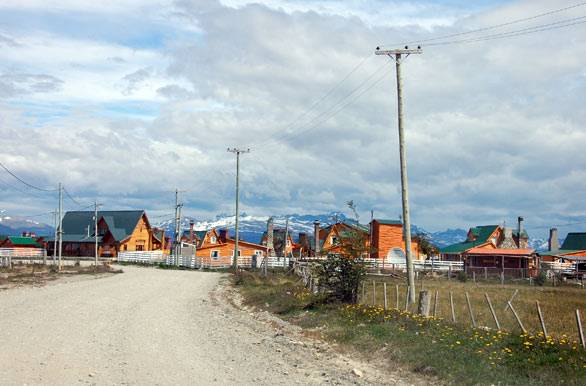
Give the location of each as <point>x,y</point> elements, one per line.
<point>124,101</point>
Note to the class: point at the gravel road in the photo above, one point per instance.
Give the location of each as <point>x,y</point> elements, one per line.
<point>160,327</point>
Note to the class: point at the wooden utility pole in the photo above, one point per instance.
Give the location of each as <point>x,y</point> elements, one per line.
<point>56,232</point>
<point>96,232</point>
<point>60,233</point>
<point>237,152</point>
<point>397,56</point>
<point>177,241</point>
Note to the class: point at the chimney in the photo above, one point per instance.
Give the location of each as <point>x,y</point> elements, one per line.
<point>223,235</point>
<point>553,243</point>
<point>270,235</point>
<point>316,236</point>
<point>520,230</point>
<point>191,232</point>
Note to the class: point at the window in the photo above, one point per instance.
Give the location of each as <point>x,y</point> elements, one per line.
<point>239,253</point>
<point>288,242</point>
<point>333,240</point>
<point>213,239</point>
<point>140,247</point>
<point>215,254</point>
<point>125,247</point>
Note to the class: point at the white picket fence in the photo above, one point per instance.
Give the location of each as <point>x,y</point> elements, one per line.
<point>141,257</point>
<point>418,265</point>
<point>7,255</point>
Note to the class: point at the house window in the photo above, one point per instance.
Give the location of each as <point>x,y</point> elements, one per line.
<point>215,254</point>
<point>239,253</point>
<point>140,247</point>
<point>288,242</point>
<point>213,239</point>
<point>333,240</point>
<point>125,247</point>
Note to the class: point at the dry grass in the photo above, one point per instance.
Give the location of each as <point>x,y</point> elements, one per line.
<point>39,274</point>
<point>558,304</point>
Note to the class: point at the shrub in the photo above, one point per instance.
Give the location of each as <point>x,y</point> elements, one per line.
<point>462,276</point>
<point>341,277</point>
<point>541,278</point>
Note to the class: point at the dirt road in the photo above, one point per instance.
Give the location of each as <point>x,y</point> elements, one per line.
<point>157,327</point>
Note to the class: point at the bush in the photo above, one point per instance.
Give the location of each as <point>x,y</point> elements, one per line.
<point>541,278</point>
<point>462,276</point>
<point>341,277</point>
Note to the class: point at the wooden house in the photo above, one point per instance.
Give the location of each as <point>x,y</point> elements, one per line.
<point>122,230</point>
<point>218,245</point>
<point>280,247</point>
<point>573,248</point>
<point>19,242</point>
<point>388,241</point>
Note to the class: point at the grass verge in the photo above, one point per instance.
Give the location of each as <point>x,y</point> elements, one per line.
<point>429,346</point>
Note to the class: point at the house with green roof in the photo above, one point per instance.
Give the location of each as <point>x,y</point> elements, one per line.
<point>19,242</point>
<point>118,230</point>
<point>487,236</point>
<point>573,248</point>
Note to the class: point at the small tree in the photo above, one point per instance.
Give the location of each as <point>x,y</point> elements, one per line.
<point>425,245</point>
<point>342,272</point>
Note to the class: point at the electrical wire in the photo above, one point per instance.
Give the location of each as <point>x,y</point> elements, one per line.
<point>519,32</point>
<point>484,29</point>
<point>24,182</point>
<point>74,200</point>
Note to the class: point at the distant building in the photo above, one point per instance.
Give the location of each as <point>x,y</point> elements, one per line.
<point>217,245</point>
<point>118,230</point>
<point>19,242</point>
<point>388,240</point>
<point>573,248</point>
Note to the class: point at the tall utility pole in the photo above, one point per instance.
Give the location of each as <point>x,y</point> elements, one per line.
<point>397,55</point>
<point>286,241</point>
<point>96,230</point>
<point>237,152</point>
<point>177,241</point>
<point>55,241</point>
<point>60,233</point>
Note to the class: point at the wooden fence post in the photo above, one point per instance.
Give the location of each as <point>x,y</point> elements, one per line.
<point>385,296</point>
<point>580,331</point>
<point>470,310</point>
<point>474,276</point>
<point>541,319</point>
<point>511,299</point>
<point>407,299</point>
<point>364,292</point>
<point>435,304</point>
<point>496,321</point>
<point>452,307</point>
<point>373,293</point>
<point>424,303</point>
<point>502,277</point>
<point>517,317</point>
<point>485,273</point>
<point>397,295</point>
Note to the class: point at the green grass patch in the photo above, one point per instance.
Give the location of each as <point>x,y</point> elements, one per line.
<point>429,346</point>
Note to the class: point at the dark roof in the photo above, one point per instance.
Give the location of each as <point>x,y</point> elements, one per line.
<point>388,222</point>
<point>575,241</point>
<point>121,223</point>
<point>481,234</point>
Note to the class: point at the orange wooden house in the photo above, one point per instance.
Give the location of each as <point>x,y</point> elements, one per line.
<point>388,241</point>
<point>218,246</point>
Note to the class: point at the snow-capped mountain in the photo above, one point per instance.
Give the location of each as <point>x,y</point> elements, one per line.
<point>16,225</point>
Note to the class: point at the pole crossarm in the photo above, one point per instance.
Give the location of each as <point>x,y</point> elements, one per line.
<point>402,51</point>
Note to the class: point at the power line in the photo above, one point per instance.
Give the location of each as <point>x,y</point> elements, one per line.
<point>492,27</point>
<point>314,122</point>
<point>24,182</point>
<point>74,200</point>
<point>323,97</point>
<point>519,32</point>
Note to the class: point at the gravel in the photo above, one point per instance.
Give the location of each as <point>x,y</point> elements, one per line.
<point>161,327</point>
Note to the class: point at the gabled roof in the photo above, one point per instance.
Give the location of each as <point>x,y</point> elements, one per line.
<point>121,223</point>
<point>481,234</point>
<point>18,240</point>
<point>575,241</point>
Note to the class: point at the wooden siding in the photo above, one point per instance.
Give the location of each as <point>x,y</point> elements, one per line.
<point>386,237</point>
